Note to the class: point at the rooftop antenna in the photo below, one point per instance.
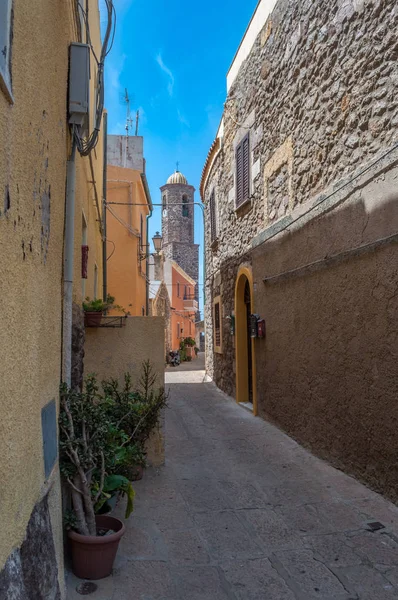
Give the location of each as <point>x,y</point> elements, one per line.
<point>129,120</point>
<point>137,119</point>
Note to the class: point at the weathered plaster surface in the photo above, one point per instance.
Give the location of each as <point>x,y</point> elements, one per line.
<point>317,96</point>
<point>114,352</point>
<point>33,155</point>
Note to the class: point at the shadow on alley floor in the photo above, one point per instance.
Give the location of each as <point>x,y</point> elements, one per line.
<point>241,512</point>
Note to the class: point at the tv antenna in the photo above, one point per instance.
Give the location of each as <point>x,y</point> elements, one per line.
<point>129,120</point>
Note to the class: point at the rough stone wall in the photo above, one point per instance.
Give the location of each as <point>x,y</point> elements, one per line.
<point>175,226</point>
<point>187,257</point>
<point>178,230</point>
<point>161,308</point>
<point>317,95</point>
<point>31,571</point>
<point>78,338</point>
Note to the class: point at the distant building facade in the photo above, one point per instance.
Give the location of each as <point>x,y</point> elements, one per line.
<point>128,208</point>
<point>172,296</point>
<point>302,230</point>
<point>178,226</point>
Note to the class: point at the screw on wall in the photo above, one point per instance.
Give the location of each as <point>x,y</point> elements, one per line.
<point>7,199</point>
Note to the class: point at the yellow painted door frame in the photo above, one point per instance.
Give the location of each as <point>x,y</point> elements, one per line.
<point>241,333</point>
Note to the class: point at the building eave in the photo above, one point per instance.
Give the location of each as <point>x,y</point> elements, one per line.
<point>214,149</point>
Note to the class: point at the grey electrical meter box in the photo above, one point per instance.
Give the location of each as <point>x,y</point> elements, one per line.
<point>79,85</point>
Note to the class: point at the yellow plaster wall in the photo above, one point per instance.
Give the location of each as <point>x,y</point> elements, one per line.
<point>88,187</point>
<point>126,273</point>
<point>113,352</point>
<point>34,146</point>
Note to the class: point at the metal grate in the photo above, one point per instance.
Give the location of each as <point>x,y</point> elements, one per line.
<point>111,322</point>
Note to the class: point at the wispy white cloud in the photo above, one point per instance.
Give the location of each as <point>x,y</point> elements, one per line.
<point>183,120</point>
<point>169,73</point>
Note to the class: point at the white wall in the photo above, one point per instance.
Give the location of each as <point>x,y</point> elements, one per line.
<point>263,10</point>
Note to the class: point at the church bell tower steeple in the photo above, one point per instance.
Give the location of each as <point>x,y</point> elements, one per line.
<point>178,222</point>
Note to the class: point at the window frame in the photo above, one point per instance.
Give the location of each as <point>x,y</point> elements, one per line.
<point>213,218</point>
<point>185,206</point>
<point>217,347</point>
<point>242,174</point>
<point>5,69</point>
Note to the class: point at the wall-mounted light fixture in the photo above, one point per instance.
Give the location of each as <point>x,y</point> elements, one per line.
<point>157,244</point>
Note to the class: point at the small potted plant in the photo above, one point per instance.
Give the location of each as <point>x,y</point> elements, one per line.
<point>89,445</point>
<point>94,309</point>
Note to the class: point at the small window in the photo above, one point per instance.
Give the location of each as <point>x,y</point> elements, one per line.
<point>242,157</point>
<point>178,331</point>
<point>185,208</point>
<point>5,44</point>
<point>164,202</point>
<point>217,325</point>
<point>213,219</point>
<point>190,327</point>
<point>178,289</point>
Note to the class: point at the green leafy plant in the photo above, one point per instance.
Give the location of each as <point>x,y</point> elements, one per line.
<point>189,341</point>
<point>197,350</point>
<point>99,305</point>
<point>102,436</point>
<point>89,442</point>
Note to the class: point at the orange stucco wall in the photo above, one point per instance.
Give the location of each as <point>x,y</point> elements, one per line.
<point>125,224</point>
<point>182,321</point>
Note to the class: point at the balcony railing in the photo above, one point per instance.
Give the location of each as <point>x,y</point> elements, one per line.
<point>190,303</point>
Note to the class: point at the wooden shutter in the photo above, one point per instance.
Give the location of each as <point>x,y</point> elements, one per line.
<point>246,168</point>
<point>213,222</point>
<point>217,325</point>
<point>243,171</point>
<point>239,180</point>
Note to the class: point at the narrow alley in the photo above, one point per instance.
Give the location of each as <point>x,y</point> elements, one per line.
<point>241,512</point>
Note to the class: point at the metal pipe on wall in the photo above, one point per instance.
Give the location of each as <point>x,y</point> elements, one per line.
<point>68,266</point>
<point>104,196</point>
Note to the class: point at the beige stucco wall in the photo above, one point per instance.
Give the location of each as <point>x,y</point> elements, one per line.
<point>33,154</point>
<point>114,352</point>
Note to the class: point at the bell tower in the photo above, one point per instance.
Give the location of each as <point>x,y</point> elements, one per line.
<point>178,225</point>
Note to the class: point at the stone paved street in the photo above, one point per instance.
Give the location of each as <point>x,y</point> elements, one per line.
<point>242,512</point>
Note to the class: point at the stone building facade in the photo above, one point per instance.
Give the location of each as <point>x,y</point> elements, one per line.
<point>313,248</point>
<point>178,226</point>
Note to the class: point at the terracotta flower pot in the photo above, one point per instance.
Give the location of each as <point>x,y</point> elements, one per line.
<point>92,319</point>
<point>93,556</point>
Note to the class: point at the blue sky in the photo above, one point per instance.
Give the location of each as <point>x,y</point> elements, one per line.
<point>173,58</point>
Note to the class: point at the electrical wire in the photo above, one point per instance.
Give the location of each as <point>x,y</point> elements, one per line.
<point>86,145</point>
<point>123,223</point>
<point>113,251</point>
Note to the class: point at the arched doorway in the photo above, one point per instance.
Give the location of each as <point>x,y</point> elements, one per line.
<point>244,344</point>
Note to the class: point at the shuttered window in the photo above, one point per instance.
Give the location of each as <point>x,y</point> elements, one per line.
<point>213,218</point>
<point>242,171</point>
<point>5,43</point>
<point>217,325</point>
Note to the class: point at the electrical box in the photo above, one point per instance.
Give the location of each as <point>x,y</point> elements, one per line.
<point>79,85</point>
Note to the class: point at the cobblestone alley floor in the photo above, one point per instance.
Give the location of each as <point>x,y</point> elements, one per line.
<point>242,512</point>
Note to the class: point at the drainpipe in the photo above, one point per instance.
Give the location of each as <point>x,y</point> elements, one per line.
<point>68,264</point>
<point>149,200</point>
<point>104,196</point>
